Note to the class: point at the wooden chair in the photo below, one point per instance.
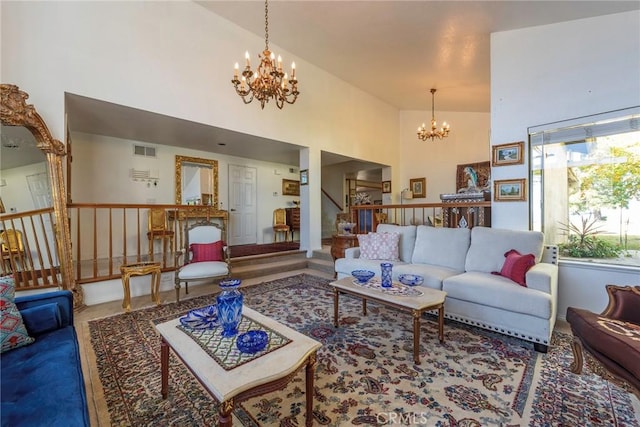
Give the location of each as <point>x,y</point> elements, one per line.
<point>280,224</point>
<point>205,254</point>
<point>12,249</point>
<point>158,229</point>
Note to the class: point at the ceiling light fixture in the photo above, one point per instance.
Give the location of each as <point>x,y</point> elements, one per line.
<point>434,132</point>
<point>268,81</point>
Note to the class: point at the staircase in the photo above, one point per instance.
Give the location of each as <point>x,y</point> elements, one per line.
<point>280,262</point>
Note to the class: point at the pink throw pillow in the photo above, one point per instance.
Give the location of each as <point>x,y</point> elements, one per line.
<point>207,251</point>
<point>516,266</point>
<point>382,246</point>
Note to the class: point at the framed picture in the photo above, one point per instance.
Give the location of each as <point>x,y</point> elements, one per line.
<point>473,176</point>
<point>386,186</point>
<point>304,177</point>
<point>510,190</point>
<point>290,187</point>
<point>508,154</point>
<point>418,187</point>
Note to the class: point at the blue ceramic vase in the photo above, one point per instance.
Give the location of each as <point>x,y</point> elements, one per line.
<point>229,303</point>
<point>386,267</point>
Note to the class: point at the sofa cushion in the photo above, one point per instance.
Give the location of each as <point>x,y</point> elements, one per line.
<point>206,251</point>
<point>407,238</point>
<point>42,384</point>
<point>42,318</point>
<point>12,329</point>
<point>445,247</point>
<point>499,292</point>
<point>488,246</point>
<point>616,340</point>
<point>382,246</point>
<point>516,266</point>
<point>433,275</point>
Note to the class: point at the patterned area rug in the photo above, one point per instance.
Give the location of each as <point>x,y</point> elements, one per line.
<point>365,373</point>
<point>266,248</point>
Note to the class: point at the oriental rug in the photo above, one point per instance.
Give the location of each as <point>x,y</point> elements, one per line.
<point>365,373</point>
<point>239,251</point>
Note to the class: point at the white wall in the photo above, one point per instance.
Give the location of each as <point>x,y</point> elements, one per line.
<point>437,161</point>
<point>557,72</point>
<point>91,184</point>
<point>176,58</point>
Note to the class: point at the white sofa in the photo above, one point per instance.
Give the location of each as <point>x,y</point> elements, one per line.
<point>460,262</point>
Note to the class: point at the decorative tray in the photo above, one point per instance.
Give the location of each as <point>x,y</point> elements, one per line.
<point>396,288</point>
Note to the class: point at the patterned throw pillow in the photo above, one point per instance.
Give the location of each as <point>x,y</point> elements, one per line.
<point>515,266</point>
<point>13,334</point>
<point>207,251</point>
<point>382,246</point>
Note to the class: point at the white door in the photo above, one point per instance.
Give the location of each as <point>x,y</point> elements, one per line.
<point>242,205</point>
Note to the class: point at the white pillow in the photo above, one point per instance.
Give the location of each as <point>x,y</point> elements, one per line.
<point>382,246</point>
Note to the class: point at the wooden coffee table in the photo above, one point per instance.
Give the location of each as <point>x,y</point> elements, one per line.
<point>430,299</point>
<point>269,372</point>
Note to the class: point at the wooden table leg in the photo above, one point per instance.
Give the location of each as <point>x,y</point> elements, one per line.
<point>364,306</point>
<point>310,372</point>
<point>441,323</point>
<point>164,368</point>
<point>155,287</point>
<point>416,337</point>
<point>224,418</point>
<point>335,307</point>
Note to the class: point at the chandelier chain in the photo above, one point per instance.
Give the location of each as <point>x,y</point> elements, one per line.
<point>266,25</point>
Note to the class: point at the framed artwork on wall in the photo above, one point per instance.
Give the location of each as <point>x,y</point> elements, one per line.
<point>386,186</point>
<point>510,190</point>
<point>290,187</point>
<point>508,154</point>
<point>304,177</point>
<point>419,187</point>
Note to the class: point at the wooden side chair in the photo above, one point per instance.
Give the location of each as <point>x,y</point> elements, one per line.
<point>12,249</point>
<point>205,254</point>
<point>280,224</point>
<point>158,229</point>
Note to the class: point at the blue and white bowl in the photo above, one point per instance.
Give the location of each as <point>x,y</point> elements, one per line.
<point>410,279</point>
<point>201,318</point>
<point>363,276</point>
<point>252,341</point>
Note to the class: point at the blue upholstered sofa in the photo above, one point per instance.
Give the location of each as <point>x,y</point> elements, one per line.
<point>42,383</point>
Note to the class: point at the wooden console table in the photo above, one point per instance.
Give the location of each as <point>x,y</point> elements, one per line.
<point>340,242</point>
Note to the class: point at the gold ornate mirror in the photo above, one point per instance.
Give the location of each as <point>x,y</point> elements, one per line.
<point>15,112</point>
<point>196,181</point>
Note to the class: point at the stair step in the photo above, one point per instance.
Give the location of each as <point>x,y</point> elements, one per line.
<point>323,255</point>
<point>323,265</point>
<point>260,269</point>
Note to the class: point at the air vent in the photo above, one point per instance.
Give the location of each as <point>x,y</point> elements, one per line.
<point>143,150</point>
<point>293,170</point>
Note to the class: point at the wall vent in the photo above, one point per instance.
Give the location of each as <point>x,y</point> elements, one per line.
<point>143,150</point>
<point>293,170</point>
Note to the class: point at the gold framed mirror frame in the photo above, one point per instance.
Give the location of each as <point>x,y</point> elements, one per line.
<point>180,161</point>
<point>14,111</point>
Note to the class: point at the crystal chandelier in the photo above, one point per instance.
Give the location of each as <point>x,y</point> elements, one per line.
<point>268,81</point>
<point>424,133</point>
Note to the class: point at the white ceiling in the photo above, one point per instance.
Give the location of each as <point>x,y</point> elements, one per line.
<point>411,46</point>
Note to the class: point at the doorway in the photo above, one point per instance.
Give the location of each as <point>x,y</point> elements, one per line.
<point>242,205</point>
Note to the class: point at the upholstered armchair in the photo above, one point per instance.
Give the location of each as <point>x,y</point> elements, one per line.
<point>205,255</point>
<point>611,338</point>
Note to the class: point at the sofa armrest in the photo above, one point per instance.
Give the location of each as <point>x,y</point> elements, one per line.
<point>64,299</point>
<point>352,253</point>
<point>543,277</point>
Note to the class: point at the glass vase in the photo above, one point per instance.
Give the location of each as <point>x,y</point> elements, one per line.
<point>385,268</point>
<point>229,303</point>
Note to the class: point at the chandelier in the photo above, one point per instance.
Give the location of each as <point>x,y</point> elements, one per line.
<point>424,133</point>
<point>268,81</point>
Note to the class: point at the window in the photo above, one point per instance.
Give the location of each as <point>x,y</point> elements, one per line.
<point>585,186</point>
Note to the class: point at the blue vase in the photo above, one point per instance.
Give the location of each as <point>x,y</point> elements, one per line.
<point>229,303</point>
<point>386,267</point>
